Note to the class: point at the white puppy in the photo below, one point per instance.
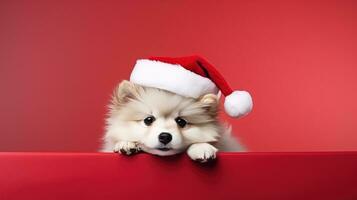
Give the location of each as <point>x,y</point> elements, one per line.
<point>163,123</point>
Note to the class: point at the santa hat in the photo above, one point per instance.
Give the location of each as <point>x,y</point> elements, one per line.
<point>190,76</point>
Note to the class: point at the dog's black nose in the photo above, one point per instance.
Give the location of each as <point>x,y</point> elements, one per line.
<point>165,137</point>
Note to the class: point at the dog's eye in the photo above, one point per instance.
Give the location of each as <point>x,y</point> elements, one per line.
<point>149,120</point>
<point>181,122</point>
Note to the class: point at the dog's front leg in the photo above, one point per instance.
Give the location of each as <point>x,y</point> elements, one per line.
<point>127,148</point>
<point>202,152</point>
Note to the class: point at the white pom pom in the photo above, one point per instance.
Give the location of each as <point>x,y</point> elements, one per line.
<point>238,104</point>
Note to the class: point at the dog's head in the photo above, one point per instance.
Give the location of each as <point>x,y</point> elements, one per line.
<point>162,122</point>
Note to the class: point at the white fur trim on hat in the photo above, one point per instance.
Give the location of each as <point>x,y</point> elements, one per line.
<point>171,77</point>
<point>238,103</point>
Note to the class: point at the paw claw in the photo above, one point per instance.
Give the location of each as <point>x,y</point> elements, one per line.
<point>205,160</point>
<point>127,148</point>
<point>202,152</point>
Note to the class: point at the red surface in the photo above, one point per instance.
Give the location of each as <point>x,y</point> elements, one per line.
<point>60,60</point>
<point>248,176</point>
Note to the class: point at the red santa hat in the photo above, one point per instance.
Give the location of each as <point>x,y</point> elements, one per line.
<point>190,76</point>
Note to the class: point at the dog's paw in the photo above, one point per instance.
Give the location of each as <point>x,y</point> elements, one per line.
<point>202,152</point>
<point>127,148</point>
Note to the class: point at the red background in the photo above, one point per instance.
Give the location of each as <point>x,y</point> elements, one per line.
<point>59,62</point>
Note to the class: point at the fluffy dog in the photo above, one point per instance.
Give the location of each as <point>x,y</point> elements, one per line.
<point>164,123</point>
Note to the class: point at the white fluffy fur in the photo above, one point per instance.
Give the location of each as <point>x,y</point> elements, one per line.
<point>171,77</point>
<point>201,137</point>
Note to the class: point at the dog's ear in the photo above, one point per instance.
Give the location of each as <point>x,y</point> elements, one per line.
<point>124,92</point>
<point>210,103</point>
